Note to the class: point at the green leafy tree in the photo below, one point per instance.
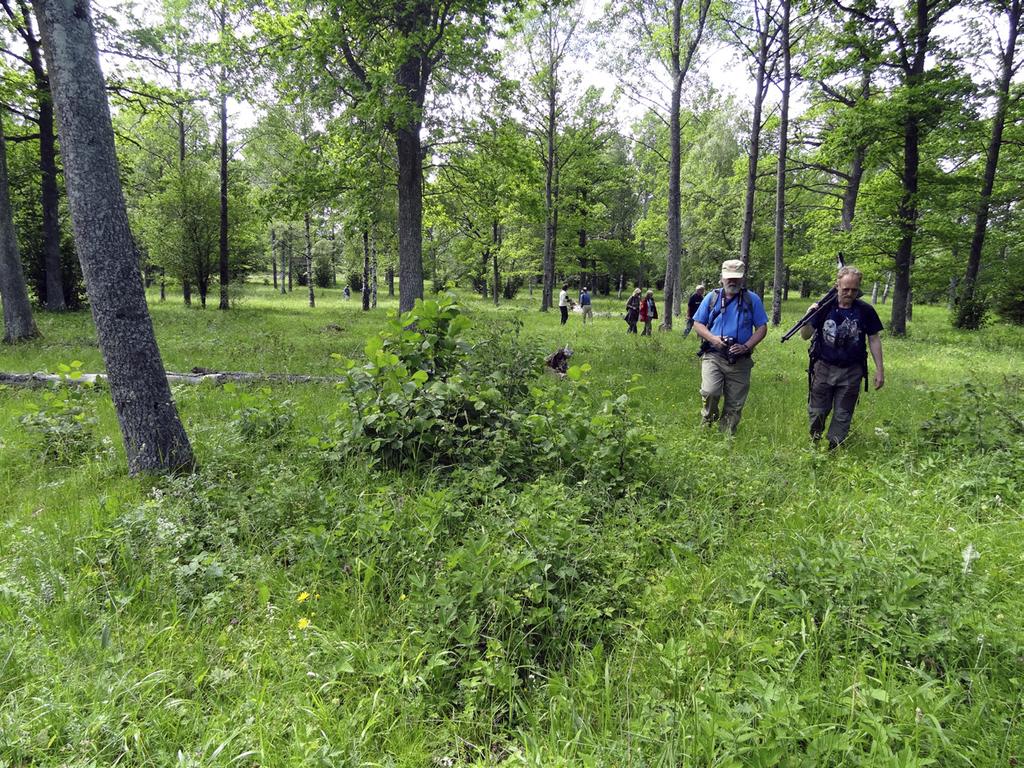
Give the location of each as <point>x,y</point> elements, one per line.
<point>383,59</point>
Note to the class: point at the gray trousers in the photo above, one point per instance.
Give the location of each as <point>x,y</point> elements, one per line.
<point>833,390</point>
<point>718,378</point>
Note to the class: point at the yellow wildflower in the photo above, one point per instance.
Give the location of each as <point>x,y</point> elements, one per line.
<point>303,597</point>
<point>303,623</point>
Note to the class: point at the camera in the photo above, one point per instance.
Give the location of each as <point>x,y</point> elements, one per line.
<point>729,356</point>
<point>707,347</point>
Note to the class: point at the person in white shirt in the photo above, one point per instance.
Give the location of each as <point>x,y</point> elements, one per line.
<point>563,302</point>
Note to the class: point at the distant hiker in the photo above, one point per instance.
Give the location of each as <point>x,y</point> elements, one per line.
<point>563,302</point>
<point>632,311</point>
<point>691,307</point>
<point>731,320</point>
<point>648,312</point>
<point>839,357</point>
<point>347,293</point>
<point>588,312</point>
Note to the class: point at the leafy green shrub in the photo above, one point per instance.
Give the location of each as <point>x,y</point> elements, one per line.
<point>1009,300</point>
<point>260,418</point>
<point>323,269</point>
<point>65,426</point>
<point>427,396</point>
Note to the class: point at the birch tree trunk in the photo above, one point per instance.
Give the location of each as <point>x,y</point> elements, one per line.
<point>153,435</point>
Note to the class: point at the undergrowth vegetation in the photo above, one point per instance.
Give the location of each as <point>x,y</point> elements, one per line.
<point>453,558</point>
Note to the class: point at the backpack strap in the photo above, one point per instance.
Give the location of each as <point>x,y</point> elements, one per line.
<point>745,305</point>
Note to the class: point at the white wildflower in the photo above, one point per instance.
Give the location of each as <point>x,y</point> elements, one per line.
<point>969,555</point>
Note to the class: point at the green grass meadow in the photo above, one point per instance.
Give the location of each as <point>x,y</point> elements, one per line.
<point>664,596</point>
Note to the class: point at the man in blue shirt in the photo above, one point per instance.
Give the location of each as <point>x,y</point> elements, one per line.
<point>585,305</point>
<point>839,357</point>
<point>731,321</point>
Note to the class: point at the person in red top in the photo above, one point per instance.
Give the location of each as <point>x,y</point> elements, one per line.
<point>648,312</point>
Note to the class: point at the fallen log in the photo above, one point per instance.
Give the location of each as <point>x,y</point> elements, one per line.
<point>195,376</point>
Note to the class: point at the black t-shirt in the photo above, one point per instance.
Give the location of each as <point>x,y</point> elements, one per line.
<point>842,333</point>
<point>694,304</point>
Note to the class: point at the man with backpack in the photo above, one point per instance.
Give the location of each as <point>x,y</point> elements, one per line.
<point>731,321</point>
<point>839,357</point>
<point>691,308</point>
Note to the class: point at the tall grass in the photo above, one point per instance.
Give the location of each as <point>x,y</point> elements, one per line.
<point>753,602</point>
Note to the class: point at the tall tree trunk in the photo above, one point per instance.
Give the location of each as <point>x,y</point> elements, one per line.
<point>284,266</point>
<point>485,264</point>
<point>18,321</point>
<point>550,197</point>
<point>163,284</point>
<point>181,108</point>
<point>334,264</point>
<point>779,277</point>
<point>49,195</point>
<point>888,284</point>
<point>970,313</point>
<point>273,254</point>
<point>153,435</point>
<point>852,190</point>
<point>907,209</point>
<point>434,277</point>
<point>224,304</point>
<point>366,270</point>
<point>907,216</point>
<point>309,261</point>
<point>373,269</point>
<point>763,24</point>
<point>679,66</point>
<point>410,216</point>
<point>186,292</point>
<point>785,285</point>
<point>673,219</point>
<point>390,277</point>
<point>291,262</point>
<point>495,246</point>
